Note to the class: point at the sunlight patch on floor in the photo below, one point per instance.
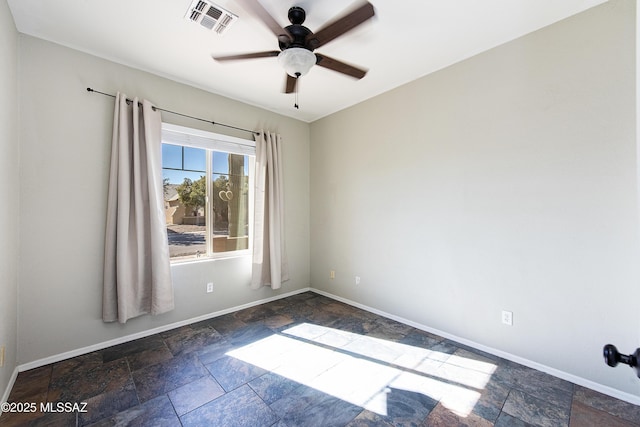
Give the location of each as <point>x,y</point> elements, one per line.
<point>363,370</point>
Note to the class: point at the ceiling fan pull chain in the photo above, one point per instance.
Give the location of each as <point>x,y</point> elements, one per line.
<point>296,93</point>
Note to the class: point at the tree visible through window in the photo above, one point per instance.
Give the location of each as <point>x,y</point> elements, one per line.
<point>207,195</point>
<point>230,222</point>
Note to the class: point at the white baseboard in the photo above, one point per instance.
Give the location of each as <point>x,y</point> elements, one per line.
<point>100,346</point>
<point>7,391</point>
<point>609,391</point>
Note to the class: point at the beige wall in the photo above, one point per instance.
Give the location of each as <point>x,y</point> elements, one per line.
<point>504,182</point>
<point>65,144</point>
<point>10,179</point>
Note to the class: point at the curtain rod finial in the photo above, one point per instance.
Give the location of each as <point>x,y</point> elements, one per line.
<point>89,89</point>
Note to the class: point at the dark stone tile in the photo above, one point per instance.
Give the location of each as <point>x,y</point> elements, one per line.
<point>506,420</point>
<point>149,357</point>
<point>81,384</point>
<point>109,404</point>
<point>550,392</point>
<point>522,376</point>
<point>389,329</point>
<point>164,377</point>
<point>186,340</point>
<point>422,339</point>
<point>298,312</point>
<point>177,331</point>
<point>302,297</point>
<point>271,387</point>
<point>477,361</point>
<point>320,317</point>
<point>586,416</point>
<point>51,419</point>
<point>511,373</point>
<point>458,376</point>
<point>535,411</point>
<point>468,370</point>
<point>491,401</point>
<point>34,382</point>
<point>309,407</point>
<point>254,314</point>
<point>249,334</point>
<point>225,324</point>
<point>445,346</point>
<point>278,321</point>
<point>195,394</point>
<point>353,324</point>
<point>239,408</point>
<point>278,305</point>
<point>385,334</point>
<point>15,419</point>
<point>211,353</point>
<point>156,412</point>
<point>316,300</point>
<point>475,353</point>
<point>76,366</point>
<point>535,383</point>
<point>405,407</point>
<point>369,419</point>
<point>611,405</point>
<point>441,416</point>
<point>231,373</point>
<point>344,310</point>
<point>132,347</point>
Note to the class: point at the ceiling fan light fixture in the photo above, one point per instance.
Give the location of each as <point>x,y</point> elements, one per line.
<point>297,61</point>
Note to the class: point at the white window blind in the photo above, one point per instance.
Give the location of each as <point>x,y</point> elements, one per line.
<point>179,135</point>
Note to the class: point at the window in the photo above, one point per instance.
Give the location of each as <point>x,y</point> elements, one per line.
<point>208,192</point>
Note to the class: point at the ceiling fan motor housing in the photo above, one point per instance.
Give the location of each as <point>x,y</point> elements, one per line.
<point>297,15</point>
<point>296,30</point>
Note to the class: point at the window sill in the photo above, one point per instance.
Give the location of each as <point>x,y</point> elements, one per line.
<point>220,257</point>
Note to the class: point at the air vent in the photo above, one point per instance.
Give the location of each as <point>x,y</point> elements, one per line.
<point>210,16</point>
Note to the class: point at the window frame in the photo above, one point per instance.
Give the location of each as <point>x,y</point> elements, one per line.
<point>209,141</point>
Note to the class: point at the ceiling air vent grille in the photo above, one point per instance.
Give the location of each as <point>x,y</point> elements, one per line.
<point>210,16</point>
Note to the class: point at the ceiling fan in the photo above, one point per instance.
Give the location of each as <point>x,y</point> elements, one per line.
<point>297,42</point>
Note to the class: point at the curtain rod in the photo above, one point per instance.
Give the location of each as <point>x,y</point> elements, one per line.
<point>180,114</point>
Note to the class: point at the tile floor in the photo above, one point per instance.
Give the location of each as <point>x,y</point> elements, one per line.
<point>305,360</point>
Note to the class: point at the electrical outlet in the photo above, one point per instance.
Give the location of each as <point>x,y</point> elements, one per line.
<point>507,317</point>
<point>357,280</point>
<point>1,356</point>
<point>209,287</point>
<point>332,274</point>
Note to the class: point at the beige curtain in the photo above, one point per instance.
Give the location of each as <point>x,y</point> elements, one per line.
<point>270,267</point>
<point>137,275</point>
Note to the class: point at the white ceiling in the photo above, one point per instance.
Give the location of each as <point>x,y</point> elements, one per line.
<point>404,41</point>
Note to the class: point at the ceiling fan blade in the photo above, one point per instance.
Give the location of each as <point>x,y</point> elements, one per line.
<point>260,12</point>
<point>290,85</point>
<point>339,66</point>
<point>247,56</point>
<point>340,26</point>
